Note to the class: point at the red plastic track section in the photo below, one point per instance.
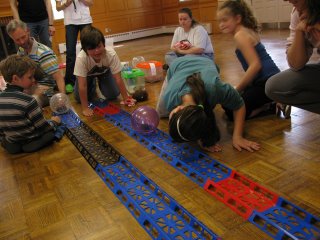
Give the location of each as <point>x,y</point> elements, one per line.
<point>241,194</point>
<point>109,109</point>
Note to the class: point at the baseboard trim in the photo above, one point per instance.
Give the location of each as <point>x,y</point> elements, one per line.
<point>277,25</point>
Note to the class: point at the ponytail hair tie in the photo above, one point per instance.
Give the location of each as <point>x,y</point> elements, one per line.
<point>200,105</point>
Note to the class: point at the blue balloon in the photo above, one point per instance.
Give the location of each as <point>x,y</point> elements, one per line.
<point>145,120</point>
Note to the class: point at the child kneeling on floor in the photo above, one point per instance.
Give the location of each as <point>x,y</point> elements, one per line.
<point>98,72</point>
<point>23,127</point>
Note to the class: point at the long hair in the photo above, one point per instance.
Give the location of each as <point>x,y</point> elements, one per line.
<point>241,8</point>
<point>313,12</point>
<point>189,12</point>
<point>195,122</point>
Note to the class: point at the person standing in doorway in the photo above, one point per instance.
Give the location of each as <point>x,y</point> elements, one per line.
<point>38,16</point>
<point>76,17</point>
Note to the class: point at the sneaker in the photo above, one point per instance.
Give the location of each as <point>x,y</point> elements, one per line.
<point>69,88</point>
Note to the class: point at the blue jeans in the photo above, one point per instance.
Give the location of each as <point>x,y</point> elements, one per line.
<point>30,145</point>
<point>40,31</point>
<point>107,86</point>
<point>71,43</point>
<point>171,56</point>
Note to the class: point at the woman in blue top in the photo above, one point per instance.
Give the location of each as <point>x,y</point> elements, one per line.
<point>236,18</point>
<point>188,96</point>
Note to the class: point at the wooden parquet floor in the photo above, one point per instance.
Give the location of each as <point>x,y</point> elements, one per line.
<point>55,194</point>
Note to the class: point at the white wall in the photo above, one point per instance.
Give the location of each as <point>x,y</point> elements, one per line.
<point>269,11</point>
<point>56,15</point>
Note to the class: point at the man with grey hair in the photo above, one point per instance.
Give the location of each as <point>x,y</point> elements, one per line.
<point>47,74</point>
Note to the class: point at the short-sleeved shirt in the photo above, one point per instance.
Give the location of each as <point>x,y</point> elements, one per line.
<point>21,118</point>
<point>86,66</point>
<point>45,59</point>
<point>311,43</point>
<point>197,36</point>
<point>217,92</point>
<point>76,14</point>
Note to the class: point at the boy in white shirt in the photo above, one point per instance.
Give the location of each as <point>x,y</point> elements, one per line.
<point>99,65</point>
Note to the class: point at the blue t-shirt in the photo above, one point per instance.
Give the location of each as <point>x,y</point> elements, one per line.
<point>269,68</point>
<point>217,91</point>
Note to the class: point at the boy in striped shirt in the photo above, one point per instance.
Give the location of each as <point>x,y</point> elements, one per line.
<point>23,127</point>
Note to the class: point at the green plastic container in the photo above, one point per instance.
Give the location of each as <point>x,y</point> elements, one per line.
<point>133,80</point>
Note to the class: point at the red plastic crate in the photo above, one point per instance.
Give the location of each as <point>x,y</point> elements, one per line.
<point>109,109</point>
<point>241,194</point>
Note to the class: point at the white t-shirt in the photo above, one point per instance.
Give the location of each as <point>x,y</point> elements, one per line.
<point>197,36</point>
<point>294,21</point>
<point>77,13</point>
<point>86,67</point>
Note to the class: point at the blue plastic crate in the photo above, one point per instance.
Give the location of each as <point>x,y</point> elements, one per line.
<point>101,103</point>
<point>194,164</point>
<point>278,221</point>
<point>94,148</point>
<point>287,221</point>
<point>158,213</point>
<point>70,119</point>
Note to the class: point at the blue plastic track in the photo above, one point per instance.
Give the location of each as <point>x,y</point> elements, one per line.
<point>94,148</point>
<point>194,164</point>
<point>70,119</point>
<point>278,222</point>
<point>287,221</point>
<point>156,211</point>
<point>159,214</point>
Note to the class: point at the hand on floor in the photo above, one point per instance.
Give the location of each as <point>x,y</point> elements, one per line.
<point>88,112</point>
<point>240,143</point>
<point>130,102</point>
<point>213,148</point>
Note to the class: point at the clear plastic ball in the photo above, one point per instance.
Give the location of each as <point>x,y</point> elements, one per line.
<point>60,103</point>
<point>137,60</point>
<point>145,120</point>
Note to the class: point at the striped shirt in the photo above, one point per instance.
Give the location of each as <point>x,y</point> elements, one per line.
<point>46,60</point>
<point>21,118</point>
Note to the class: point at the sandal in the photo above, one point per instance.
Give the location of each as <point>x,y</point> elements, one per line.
<point>284,109</point>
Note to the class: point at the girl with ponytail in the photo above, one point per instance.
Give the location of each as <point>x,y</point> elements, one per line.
<point>188,96</point>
